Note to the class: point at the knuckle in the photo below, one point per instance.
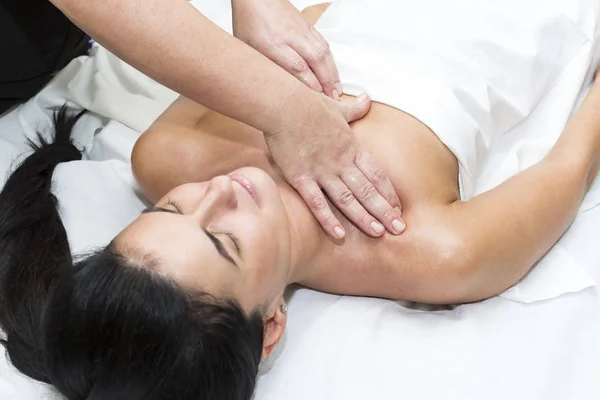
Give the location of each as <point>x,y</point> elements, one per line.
<point>345,149</point>
<point>298,65</point>
<point>324,45</point>
<point>388,214</point>
<point>367,191</point>
<point>292,28</point>
<point>366,219</point>
<point>317,58</point>
<point>318,203</point>
<point>346,197</point>
<point>379,176</point>
<point>320,53</point>
<point>270,38</point>
<point>327,80</point>
<point>273,38</point>
<point>298,178</point>
<point>330,221</point>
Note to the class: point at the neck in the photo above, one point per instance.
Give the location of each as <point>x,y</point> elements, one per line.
<point>308,240</point>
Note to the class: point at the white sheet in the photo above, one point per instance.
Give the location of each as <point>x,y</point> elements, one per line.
<point>339,347</point>
<point>468,77</point>
<point>470,71</point>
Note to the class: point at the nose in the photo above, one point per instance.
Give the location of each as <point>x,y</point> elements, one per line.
<point>219,197</point>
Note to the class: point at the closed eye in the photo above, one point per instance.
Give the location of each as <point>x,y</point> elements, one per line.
<point>235,241</point>
<point>172,203</point>
<point>219,247</point>
<point>175,205</point>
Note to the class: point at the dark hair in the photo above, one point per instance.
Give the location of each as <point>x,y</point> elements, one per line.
<point>101,327</point>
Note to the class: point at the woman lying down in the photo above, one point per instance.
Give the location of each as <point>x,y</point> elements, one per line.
<point>187,300</point>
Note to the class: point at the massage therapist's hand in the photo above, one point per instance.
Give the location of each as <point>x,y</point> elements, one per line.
<point>279,31</point>
<point>316,149</point>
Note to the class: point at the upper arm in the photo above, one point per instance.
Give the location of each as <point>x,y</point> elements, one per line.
<point>430,263</point>
<point>451,254</point>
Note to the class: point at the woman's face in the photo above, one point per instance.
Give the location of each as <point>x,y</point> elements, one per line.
<point>228,237</point>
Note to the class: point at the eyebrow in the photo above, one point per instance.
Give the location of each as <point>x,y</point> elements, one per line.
<point>216,242</point>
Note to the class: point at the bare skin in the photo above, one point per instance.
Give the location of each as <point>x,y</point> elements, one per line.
<point>175,44</point>
<point>451,252</point>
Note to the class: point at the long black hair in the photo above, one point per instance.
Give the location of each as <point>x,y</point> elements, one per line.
<point>101,327</point>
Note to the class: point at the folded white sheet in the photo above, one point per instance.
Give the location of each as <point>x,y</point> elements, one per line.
<point>495,83</point>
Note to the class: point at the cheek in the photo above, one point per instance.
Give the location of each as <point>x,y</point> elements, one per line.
<point>262,241</point>
<point>269,243</point>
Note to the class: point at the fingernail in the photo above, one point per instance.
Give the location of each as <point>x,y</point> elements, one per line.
<point>398,226</point>
<point>398,210</point>
<point>339,232</point>
<point>335,95</point>
<point>377,227</point>
<point>339,88</point>
<point>363,97</point>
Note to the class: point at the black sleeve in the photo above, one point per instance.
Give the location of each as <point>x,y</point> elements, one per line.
<point>36,40</point>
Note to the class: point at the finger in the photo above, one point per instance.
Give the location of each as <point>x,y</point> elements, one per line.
<point>315,51</point>
<point>357,108</point>
<point>316,201</point>
<point>378,207</point>
<point>377,176</point>
<point>293,62</point>
<point>343,197</point>
<point>331,64</point>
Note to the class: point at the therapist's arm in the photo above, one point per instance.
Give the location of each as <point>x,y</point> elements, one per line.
<point>307,133</point>
<point>288,37</point>
<point>170,41</point>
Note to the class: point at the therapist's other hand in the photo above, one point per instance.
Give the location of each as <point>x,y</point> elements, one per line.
<point>316,150</point>
<point>280,32</point>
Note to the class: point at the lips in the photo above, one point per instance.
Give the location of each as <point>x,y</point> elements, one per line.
<point>246,184</point>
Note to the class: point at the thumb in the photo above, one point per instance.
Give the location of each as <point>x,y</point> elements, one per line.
<point>357,108</point>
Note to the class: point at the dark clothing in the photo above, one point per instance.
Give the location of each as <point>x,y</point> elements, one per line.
<point>36,41</point>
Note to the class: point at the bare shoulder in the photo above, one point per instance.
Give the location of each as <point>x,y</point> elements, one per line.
<point>190,143</point>
<point>182,112</point>
<point>413,266</point>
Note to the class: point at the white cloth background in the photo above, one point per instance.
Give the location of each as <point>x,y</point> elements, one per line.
<point>336,347</point>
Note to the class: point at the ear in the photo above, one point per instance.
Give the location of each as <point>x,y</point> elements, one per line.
<point>274,327</point>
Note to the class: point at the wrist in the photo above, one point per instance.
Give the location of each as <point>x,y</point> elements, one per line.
<point>295,104</point>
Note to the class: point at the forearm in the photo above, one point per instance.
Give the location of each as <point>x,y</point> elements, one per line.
<point>170,41</point>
